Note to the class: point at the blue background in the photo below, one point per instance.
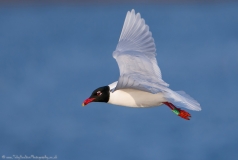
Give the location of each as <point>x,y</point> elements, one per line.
<point>53,56</point>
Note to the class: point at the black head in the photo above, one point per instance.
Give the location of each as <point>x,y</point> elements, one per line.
<point>100,94</point>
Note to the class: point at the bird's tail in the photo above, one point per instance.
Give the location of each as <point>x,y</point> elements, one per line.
<point>180,98</point>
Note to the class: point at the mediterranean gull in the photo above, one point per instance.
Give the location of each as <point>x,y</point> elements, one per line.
<point>140,83</point>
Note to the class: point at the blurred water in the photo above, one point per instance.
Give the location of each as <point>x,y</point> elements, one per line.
<point>52,57</point>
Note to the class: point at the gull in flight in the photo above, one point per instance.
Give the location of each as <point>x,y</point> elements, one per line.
<point>140,83</point>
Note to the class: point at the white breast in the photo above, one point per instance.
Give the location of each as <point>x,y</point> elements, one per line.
<point>136,98</point>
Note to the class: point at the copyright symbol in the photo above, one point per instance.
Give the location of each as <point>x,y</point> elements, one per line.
<point>3,157</point>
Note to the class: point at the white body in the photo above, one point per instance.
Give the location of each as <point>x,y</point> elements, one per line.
<point>136,98</point>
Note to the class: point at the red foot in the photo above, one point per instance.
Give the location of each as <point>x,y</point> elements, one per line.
<point>184,114</point>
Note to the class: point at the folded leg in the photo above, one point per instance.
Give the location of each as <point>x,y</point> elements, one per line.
<point>182,113</point>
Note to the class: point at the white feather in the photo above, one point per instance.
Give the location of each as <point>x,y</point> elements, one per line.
<point>112,86</point>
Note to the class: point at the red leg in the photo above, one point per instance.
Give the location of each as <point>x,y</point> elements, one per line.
<point>182,113</point>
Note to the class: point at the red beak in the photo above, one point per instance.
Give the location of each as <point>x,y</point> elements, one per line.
<point>87,101</point>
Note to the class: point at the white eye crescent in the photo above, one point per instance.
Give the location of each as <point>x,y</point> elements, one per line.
<point>99,93</point>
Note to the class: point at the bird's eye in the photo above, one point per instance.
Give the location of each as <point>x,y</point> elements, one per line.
<point>99,93</point>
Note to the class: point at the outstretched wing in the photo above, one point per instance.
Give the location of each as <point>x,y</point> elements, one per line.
<point>135,55</point>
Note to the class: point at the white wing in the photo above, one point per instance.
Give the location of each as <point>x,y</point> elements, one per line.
<point>135,55</point>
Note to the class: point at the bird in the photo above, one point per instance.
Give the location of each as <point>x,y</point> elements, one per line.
<point>140,83</point>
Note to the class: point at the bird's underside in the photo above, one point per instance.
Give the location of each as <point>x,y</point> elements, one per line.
<point>142,99</point>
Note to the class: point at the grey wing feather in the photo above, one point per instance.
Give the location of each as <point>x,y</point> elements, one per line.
<point>135,55</point>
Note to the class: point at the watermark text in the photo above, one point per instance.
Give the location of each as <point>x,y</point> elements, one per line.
<point>29,157</point>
